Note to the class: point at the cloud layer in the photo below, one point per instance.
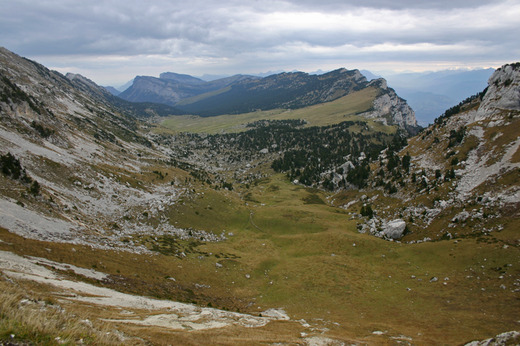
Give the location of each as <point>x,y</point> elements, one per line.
<point>112,41</point>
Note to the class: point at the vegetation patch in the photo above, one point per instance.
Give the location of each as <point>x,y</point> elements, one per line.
<point>313,199</point>
<point>25,320</point>
<point>11,167</point>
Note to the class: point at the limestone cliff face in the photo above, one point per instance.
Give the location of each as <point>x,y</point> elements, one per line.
<point>390,108</point>
<point>502,94</point>
<point>151,89</point>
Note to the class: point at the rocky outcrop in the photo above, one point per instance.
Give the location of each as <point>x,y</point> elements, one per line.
<point>467,163</point>
<point>502,94</point>
<point>390,108</point>
<point>507,338</point>
<point>390,230</point>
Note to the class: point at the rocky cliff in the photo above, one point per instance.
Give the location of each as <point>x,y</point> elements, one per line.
<point>502,94</point>
<point>390,109</point>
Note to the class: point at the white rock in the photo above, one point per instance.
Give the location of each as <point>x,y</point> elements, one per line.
<point>394,229</point>
<point>507,338</point>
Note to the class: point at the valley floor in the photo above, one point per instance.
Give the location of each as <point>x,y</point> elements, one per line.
<point>301,274</point>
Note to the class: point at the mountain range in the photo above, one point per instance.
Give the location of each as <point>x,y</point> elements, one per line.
<point>245,94</point>
<point>428,93</point>
<point>323,215</point>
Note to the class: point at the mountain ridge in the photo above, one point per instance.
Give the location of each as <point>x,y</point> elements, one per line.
<point>172,87</point>
<point>289,90</point>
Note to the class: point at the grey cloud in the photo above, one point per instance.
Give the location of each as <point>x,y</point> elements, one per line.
<point>121,28</point>
<point>394,5</point>
<point>262,33</point>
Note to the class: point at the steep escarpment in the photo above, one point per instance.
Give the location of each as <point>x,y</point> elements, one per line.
<point>391,109</point>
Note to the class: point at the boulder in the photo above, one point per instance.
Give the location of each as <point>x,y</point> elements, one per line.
<point>394,229</point>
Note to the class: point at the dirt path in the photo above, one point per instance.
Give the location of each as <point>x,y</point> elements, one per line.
<point>251,213</point>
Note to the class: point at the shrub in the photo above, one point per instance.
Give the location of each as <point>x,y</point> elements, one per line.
<point>35,188</point>
<point>42,131</point>
<point>10,166</point>
<point>366,210</point>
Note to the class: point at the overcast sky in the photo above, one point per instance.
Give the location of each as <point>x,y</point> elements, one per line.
<point>112,41</point>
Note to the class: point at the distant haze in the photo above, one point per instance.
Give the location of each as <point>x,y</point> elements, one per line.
<point>431,93</point>
<point>113,41</point>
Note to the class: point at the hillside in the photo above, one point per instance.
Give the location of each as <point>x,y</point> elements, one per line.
<point>299,90</point>
<point>460,175</point>
<point>114,230</point>
<point>284,90</point>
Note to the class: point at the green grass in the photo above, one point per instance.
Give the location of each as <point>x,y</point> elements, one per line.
<point>310,260</point>
<point>342,109</point>
<point>210,210</point>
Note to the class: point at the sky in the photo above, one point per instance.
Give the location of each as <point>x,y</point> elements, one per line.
<point>112,41</point>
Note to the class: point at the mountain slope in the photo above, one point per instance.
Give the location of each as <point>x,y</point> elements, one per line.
<point>171,87</point>
<point>243,94</point>
<point>132,109</point>
<point>85,153</point>
<point>284,90</point>
<point>299,90</point>
<point>460,175</point>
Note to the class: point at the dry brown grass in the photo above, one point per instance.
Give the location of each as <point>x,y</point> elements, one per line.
<point>27,316</point>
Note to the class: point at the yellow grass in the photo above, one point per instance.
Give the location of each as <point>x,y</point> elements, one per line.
<point>342,109</point>
<point>30,316</point>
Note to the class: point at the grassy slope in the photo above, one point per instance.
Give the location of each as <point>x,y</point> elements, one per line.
<point>334,112</point>
<point>302,257</point>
